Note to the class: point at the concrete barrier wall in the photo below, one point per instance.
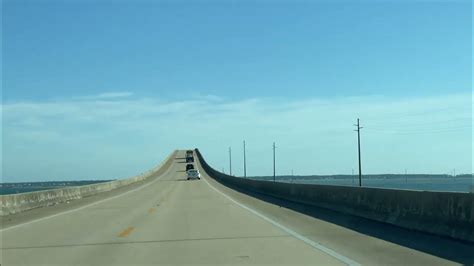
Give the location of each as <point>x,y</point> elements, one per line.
<point>445,214</point>
<point>15,203</point>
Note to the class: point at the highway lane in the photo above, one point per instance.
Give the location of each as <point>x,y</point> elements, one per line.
<point>366,242</point>
<point>170,221</point>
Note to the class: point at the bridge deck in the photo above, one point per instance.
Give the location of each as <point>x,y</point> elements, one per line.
<point>174,221</point>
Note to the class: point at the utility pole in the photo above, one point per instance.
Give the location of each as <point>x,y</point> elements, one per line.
<point>230,161</point>
<point>358,145</point>
<point>274,161</point>
<point>245,163</point>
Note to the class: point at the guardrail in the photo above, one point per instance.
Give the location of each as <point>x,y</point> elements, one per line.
<point>15,203</point>
<point>446,214</point>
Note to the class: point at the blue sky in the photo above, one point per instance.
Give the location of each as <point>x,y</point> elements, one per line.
<point>102,89</point>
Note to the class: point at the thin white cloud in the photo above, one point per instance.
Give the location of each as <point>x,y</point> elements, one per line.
<point>209,97</point>
<point>107,95</point>
<point>114,95</point>
<point>313,135</point>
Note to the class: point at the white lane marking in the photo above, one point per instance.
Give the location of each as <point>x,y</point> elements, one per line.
<point>88,205</point>
<point>308,241</point>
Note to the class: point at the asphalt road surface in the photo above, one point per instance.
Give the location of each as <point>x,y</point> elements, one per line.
<point>171,221</point>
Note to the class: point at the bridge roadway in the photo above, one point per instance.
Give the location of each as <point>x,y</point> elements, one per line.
<point>171,221</point>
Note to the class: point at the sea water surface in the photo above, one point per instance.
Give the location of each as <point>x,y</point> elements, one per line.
<point>425,183</point>
<point>25,187</point>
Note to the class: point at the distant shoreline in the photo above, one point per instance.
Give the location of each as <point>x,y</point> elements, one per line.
<point>433,182</point>
<point>367,176</point>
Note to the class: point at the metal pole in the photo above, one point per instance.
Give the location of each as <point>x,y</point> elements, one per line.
<point>245,163</point>
<point>358,145</point>
<point>273,161</point>
<point>230,161</point>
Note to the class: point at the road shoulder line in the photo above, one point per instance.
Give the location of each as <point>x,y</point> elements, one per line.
<point>308,241</point>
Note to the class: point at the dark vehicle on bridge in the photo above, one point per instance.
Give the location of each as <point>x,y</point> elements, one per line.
<point>189,166</point>
<point>189,158</point>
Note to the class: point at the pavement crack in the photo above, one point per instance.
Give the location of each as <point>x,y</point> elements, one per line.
<point>141,242</point>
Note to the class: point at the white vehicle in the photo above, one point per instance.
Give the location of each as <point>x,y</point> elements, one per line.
<point>193,174</point>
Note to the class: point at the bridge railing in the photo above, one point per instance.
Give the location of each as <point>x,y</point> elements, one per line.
<point>447,214</point>
<point>15,203</point>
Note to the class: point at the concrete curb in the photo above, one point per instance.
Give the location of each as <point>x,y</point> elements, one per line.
<point>15,203</point>
<point>446,214</point>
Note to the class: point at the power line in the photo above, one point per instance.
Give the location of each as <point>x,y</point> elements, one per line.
<point>420,131</point>
<point>411,123</point>
<point>397,115</point>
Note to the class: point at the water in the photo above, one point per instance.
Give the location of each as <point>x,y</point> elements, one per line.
<point>24,187</point>
<point>463,183</point>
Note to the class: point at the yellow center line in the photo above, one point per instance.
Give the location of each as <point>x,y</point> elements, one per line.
<point>126,232</point>
<point>151,210</point>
